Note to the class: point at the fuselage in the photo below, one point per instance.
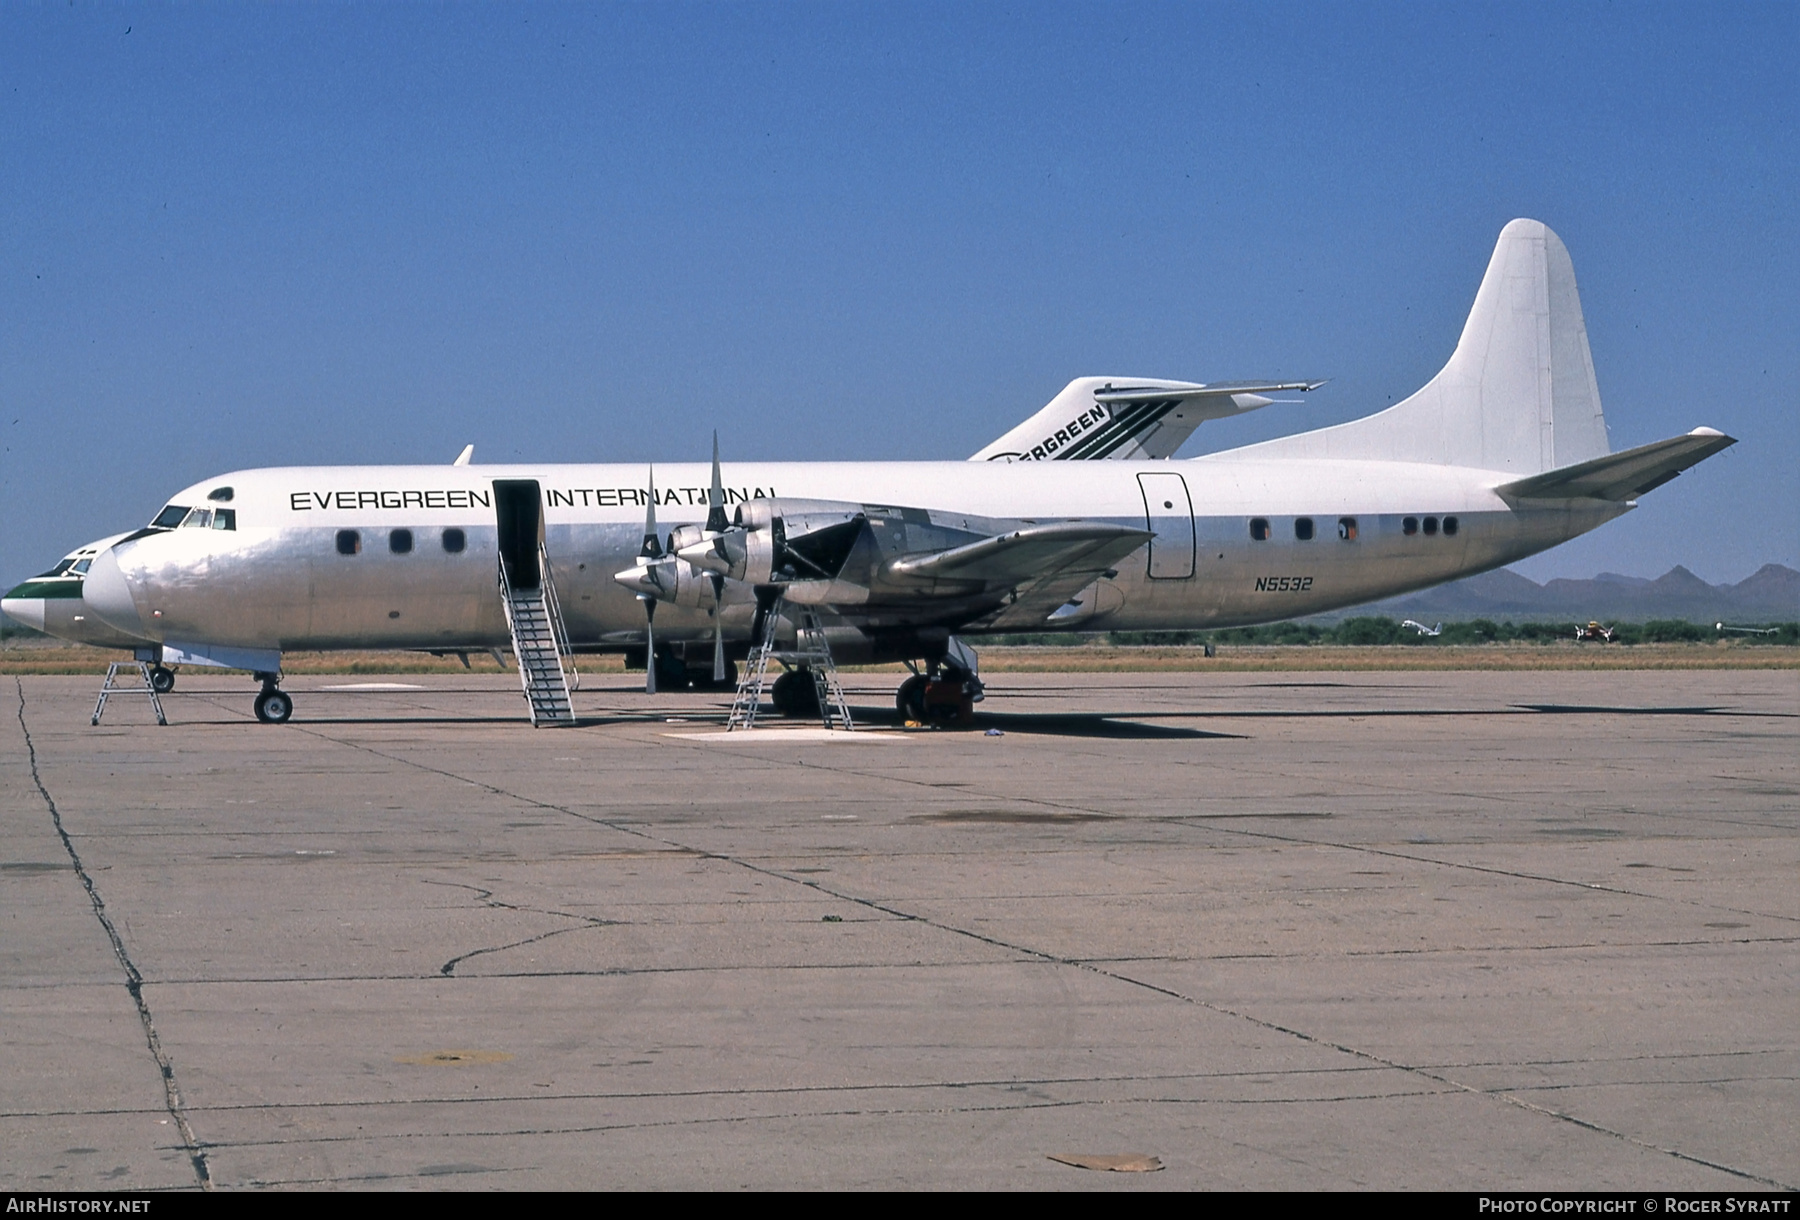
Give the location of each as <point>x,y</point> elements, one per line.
<point>405,557</point>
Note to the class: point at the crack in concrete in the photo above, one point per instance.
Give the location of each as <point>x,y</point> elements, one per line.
<point>487,899</point>
<point>134,979</point>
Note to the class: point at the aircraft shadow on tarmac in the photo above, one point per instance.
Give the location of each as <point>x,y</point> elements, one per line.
<point>1115,725</point>
<point>1122,724</point>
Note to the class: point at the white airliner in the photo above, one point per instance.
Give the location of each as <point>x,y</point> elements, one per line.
<point>1503,454</point>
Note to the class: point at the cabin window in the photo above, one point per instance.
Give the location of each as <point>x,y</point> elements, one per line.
<point>1430,526</point>
<point>170,517</point>
<point>454,541</point>
<point>1409,526</point>
<point>400,542</point>
<point>1347,528</point>
<point>221,494</point>
<point>349,542</point>
<point>1303,528</point>
<point>224,518</point>
<point>1259,529</point>
<point>197,519</point>
<point>1449,527</point>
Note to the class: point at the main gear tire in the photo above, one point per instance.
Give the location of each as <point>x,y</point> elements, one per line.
<point>795,695</point>
<point>909,700</point>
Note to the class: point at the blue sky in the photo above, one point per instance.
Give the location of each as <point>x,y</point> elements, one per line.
<point>245,235</point>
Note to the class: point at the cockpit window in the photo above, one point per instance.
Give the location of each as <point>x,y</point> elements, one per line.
<point>221,494</point>
<point>81,566</point>
<point>58,570</point>
<point>170,517</point>
<point>197,519</point>
<point>224,518</point>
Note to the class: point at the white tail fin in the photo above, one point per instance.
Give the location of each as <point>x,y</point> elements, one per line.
<point>1519,392</point>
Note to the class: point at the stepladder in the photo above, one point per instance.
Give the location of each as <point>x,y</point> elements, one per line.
<point>113,687</point>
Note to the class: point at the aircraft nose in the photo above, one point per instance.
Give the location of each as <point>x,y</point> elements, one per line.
<point>28,611</point>
<point>107,592</point>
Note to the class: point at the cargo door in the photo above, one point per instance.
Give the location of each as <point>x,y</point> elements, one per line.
<point>1169,514</point>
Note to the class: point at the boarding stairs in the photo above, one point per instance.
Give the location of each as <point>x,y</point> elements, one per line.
<point>811,653</point>
<point>540,642</point>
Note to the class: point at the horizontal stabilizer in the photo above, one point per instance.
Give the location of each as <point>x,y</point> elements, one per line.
<point>1621,476</point>
<point>1217,391</point>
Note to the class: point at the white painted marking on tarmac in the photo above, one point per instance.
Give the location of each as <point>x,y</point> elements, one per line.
<point>374,686</point>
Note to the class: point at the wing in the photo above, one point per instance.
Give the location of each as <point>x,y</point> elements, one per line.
<point>1029,553</point>
<point>881,565</point>
<point>1621,476</point>
<point>1034,569</point>
<point>1128,418</point>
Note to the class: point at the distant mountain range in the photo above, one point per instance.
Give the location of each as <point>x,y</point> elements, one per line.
<point>1772,594</point>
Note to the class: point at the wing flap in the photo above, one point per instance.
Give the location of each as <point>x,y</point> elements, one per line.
<point>1621,476</point>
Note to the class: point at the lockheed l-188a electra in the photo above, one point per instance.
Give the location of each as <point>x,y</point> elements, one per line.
<point>1078,519</point>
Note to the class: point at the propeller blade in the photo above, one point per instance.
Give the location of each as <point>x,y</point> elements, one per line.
<point>718,585</point>
<point>652,548</point>
<point>649,644</point>
<point>716,522</point>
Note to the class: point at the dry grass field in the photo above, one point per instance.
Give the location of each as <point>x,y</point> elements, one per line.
<point>37,657</point>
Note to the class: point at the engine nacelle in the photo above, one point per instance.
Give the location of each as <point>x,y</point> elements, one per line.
<point>775,542</point>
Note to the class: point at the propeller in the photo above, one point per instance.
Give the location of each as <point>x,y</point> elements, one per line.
<point>673,573</point>
<point>716,524</point>
<point>644,579</point>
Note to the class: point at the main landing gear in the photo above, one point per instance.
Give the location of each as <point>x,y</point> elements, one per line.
<point>795,694</point>
<point>944,694</point>
<point>273,705</point>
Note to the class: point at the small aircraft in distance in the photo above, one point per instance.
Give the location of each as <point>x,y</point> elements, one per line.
<point>1594,631</point>
<point>1076,520</point>
<point>1724,628</point>
<point>1422,629</point>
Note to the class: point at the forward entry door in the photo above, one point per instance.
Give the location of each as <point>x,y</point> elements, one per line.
<point>1169,514</point>
<point>519,513</point>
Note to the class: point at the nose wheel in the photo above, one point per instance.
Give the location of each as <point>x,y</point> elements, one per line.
<point>273,705</point>
<point>162,679</point>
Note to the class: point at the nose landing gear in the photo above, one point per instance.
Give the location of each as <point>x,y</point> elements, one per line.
<point>162,679</point>
<point>273,705</point>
